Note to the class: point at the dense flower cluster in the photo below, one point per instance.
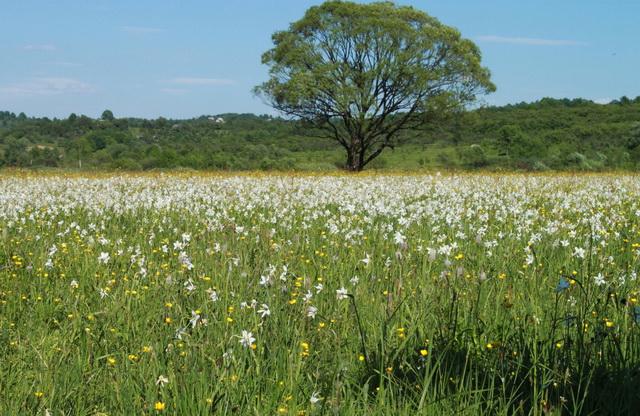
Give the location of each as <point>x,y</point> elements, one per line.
<point>225,288</point>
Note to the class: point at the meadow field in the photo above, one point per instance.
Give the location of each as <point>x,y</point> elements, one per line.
<point>180,294</point>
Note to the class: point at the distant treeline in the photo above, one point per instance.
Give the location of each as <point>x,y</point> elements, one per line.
<point>547,134</point>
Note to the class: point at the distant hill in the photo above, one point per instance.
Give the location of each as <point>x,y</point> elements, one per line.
<point>547,134</point>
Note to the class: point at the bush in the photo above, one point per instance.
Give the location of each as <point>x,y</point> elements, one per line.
<point>539,166</point>
<point>445,159</point>
<point>126,164</point>
<point>473,156</point>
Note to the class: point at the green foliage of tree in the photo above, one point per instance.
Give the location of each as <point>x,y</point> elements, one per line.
<point>548,134</point>
<point>634,137</point>
<point>107,115</point>
<point>15,152</point>
<point>362,73</point>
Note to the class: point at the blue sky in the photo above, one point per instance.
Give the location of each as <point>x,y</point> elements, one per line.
<point>186,58</point>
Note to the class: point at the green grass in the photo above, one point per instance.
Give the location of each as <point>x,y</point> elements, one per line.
<point>478,331</point>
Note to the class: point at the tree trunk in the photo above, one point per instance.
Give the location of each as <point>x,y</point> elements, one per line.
<point>355,160</point>
<point>360,159</point>
<point>350,159</point>
<point>355,155</point>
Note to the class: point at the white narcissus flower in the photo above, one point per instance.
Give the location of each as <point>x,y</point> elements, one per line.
<point>213,295</point>
<point>307,296</point>
<point>180,332</point>
<point>530,259</point>
<point>264,311</point>
<point>195,318</point>
<point>185,260</point>
<point>341,293</point>
<point>189,286</point>
<point>104,258</point>
<point>162,380</point>
<point>315,398</point>
<point>246,339</point>
<point>265,280</point>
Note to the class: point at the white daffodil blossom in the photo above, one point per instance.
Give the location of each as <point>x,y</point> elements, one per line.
<point>246,338</point>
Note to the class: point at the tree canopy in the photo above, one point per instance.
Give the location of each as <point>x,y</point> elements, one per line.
<point>107,115</point>
<point>362,73</point>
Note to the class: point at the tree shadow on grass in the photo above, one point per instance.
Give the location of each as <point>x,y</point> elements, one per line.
<point>500,382</point>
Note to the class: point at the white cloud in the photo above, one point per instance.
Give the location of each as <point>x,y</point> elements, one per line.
<point>529,41</point>
<point>174,91</point>
<point>201,81</point>
<point>140,29</point>
<point>46,86</point>
<point>44,47</point>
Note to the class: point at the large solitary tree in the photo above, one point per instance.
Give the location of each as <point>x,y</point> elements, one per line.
<point>362,73</point>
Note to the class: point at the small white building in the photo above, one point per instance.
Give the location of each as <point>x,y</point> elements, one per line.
<point>218,120</point>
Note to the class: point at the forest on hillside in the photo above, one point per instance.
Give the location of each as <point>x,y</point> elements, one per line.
<point>558,134</point>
